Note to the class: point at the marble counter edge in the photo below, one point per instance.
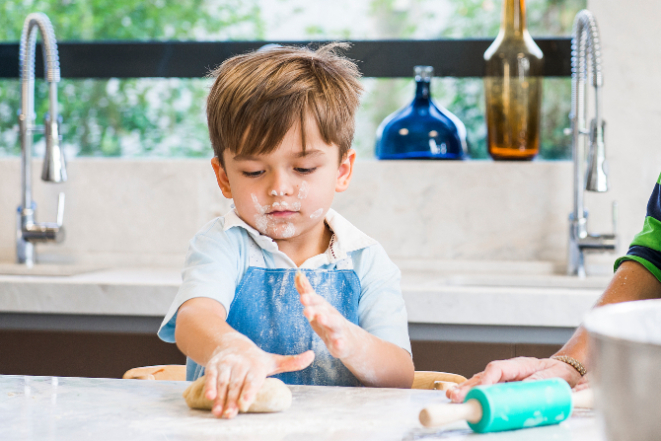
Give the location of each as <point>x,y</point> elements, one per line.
<point>126,293</point>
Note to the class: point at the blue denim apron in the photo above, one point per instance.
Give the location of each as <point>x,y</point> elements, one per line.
<point>267,309</point>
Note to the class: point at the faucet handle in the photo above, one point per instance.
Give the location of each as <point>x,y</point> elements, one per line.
<point>597,171</point>
<point>54,169</point>
<point>60,209</point>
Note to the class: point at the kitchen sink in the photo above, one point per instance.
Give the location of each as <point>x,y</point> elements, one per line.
<point>430,275</point>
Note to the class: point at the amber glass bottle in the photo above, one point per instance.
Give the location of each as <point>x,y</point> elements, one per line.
<point>513,88</point>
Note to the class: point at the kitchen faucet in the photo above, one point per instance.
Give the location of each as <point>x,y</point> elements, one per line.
<point>586,61</point>
<point>28,231</point>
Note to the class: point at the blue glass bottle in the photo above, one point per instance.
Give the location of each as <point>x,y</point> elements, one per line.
<point>421,130</point>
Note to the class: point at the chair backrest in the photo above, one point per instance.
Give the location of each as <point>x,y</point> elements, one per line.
<point>435,380</point>
<point>168,372</point>
<point>177,372</point>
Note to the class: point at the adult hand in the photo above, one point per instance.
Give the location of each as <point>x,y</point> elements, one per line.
<point>237,370</point>
<point>516,369</point>
<point>337,333</point>
<point>583,383</point>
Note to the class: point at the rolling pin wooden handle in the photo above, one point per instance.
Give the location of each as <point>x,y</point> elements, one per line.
<point>439,414</point>
<point>583,398</point>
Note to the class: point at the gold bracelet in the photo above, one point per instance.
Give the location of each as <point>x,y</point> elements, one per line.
<point>572,362</point>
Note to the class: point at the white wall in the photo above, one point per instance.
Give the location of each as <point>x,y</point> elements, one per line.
<point>631,44</point>
<point>145,212</point>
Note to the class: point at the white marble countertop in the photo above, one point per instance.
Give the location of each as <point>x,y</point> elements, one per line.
<point>71,409</point>
<point>500,299</point>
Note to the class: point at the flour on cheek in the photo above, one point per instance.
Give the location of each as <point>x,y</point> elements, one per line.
<point>317,213</point>
<point>261,220</point>
<point>261,209</point>
<point>303,190</point>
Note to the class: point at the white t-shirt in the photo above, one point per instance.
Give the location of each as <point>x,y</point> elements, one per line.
<point>220,254</point>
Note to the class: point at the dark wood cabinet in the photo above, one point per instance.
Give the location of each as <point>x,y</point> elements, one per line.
<point>109,355</point>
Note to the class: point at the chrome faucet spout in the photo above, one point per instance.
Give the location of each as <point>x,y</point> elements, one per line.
<point>54,169</point>
<point>586,63</point>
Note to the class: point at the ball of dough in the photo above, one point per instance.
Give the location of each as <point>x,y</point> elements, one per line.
<point>273,396</point>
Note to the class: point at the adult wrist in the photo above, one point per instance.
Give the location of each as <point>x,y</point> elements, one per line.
<point>577,365</point>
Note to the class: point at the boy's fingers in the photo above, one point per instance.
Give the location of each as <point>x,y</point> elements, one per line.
<point>221,386</point>
<point>251,386</point>
<point>312,299</point>
<point>316,299</point>
<point>309,313</point>
<point>334,322</point>
<point>233,393</point>
<point>290,363</point>
<point>302,284</point>
<point>338,344</point>
<point>331,323</point>
<point>322,320</point>
<point>210,385</point>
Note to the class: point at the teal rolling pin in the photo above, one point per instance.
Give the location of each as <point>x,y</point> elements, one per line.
<point>509,406</point>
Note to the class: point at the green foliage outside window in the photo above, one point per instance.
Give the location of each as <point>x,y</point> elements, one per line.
<point>165,117</point>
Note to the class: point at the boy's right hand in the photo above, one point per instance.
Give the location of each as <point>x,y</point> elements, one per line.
<point>237,370</point>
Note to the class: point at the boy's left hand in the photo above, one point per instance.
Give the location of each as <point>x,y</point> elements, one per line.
<point>336,331</point>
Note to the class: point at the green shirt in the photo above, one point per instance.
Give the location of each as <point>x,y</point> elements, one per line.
<point>646,246</point>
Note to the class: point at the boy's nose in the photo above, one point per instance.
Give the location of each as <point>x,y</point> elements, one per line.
<point>280,186</point>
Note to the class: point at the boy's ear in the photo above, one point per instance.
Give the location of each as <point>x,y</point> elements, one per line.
<point>221,177</point>
<point>345,171</point>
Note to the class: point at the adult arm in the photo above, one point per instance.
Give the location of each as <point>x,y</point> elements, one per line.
<point>632,281</point>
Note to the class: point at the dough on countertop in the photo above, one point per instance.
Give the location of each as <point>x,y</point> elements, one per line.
<point>273,396</point>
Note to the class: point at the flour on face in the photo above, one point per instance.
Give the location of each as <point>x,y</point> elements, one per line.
<point>261,209</point>
<point>273,227</point>
<point>289,231</point>
<point>317,213</point>
<point>304,190</point>
<point>296,206</point>
<point>261,220</point>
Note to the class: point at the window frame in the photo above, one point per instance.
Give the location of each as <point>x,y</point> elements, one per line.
<point>458,58</point>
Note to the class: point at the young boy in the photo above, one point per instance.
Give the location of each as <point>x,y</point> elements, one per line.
<point>281,123</point>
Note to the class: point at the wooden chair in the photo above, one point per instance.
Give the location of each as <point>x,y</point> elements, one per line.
<point>431,380</point>
<point>167,372</point>
<point>177,372</point>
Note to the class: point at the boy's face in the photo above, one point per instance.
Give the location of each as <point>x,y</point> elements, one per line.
<point>286,193</point>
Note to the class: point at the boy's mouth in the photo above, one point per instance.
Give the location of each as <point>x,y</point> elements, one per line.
<point>281,213</point>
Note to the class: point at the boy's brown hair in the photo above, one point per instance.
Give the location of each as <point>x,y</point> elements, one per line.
<point>257,97</point>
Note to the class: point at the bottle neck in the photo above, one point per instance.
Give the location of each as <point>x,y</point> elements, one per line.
<point>422,90</point>
<point>514,18</point>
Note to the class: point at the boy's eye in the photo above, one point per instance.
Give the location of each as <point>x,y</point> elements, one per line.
<point>253,174</point>
<point>305,171</point>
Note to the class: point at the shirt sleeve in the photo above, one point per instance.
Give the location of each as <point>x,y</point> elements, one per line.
<point>212,269</point>
<point>646,245</point>
<point>381,309</point>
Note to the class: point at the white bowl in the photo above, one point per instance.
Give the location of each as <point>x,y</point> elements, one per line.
<point>625,360</point>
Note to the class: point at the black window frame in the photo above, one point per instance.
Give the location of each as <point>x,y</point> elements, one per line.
<point>458,58</point>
